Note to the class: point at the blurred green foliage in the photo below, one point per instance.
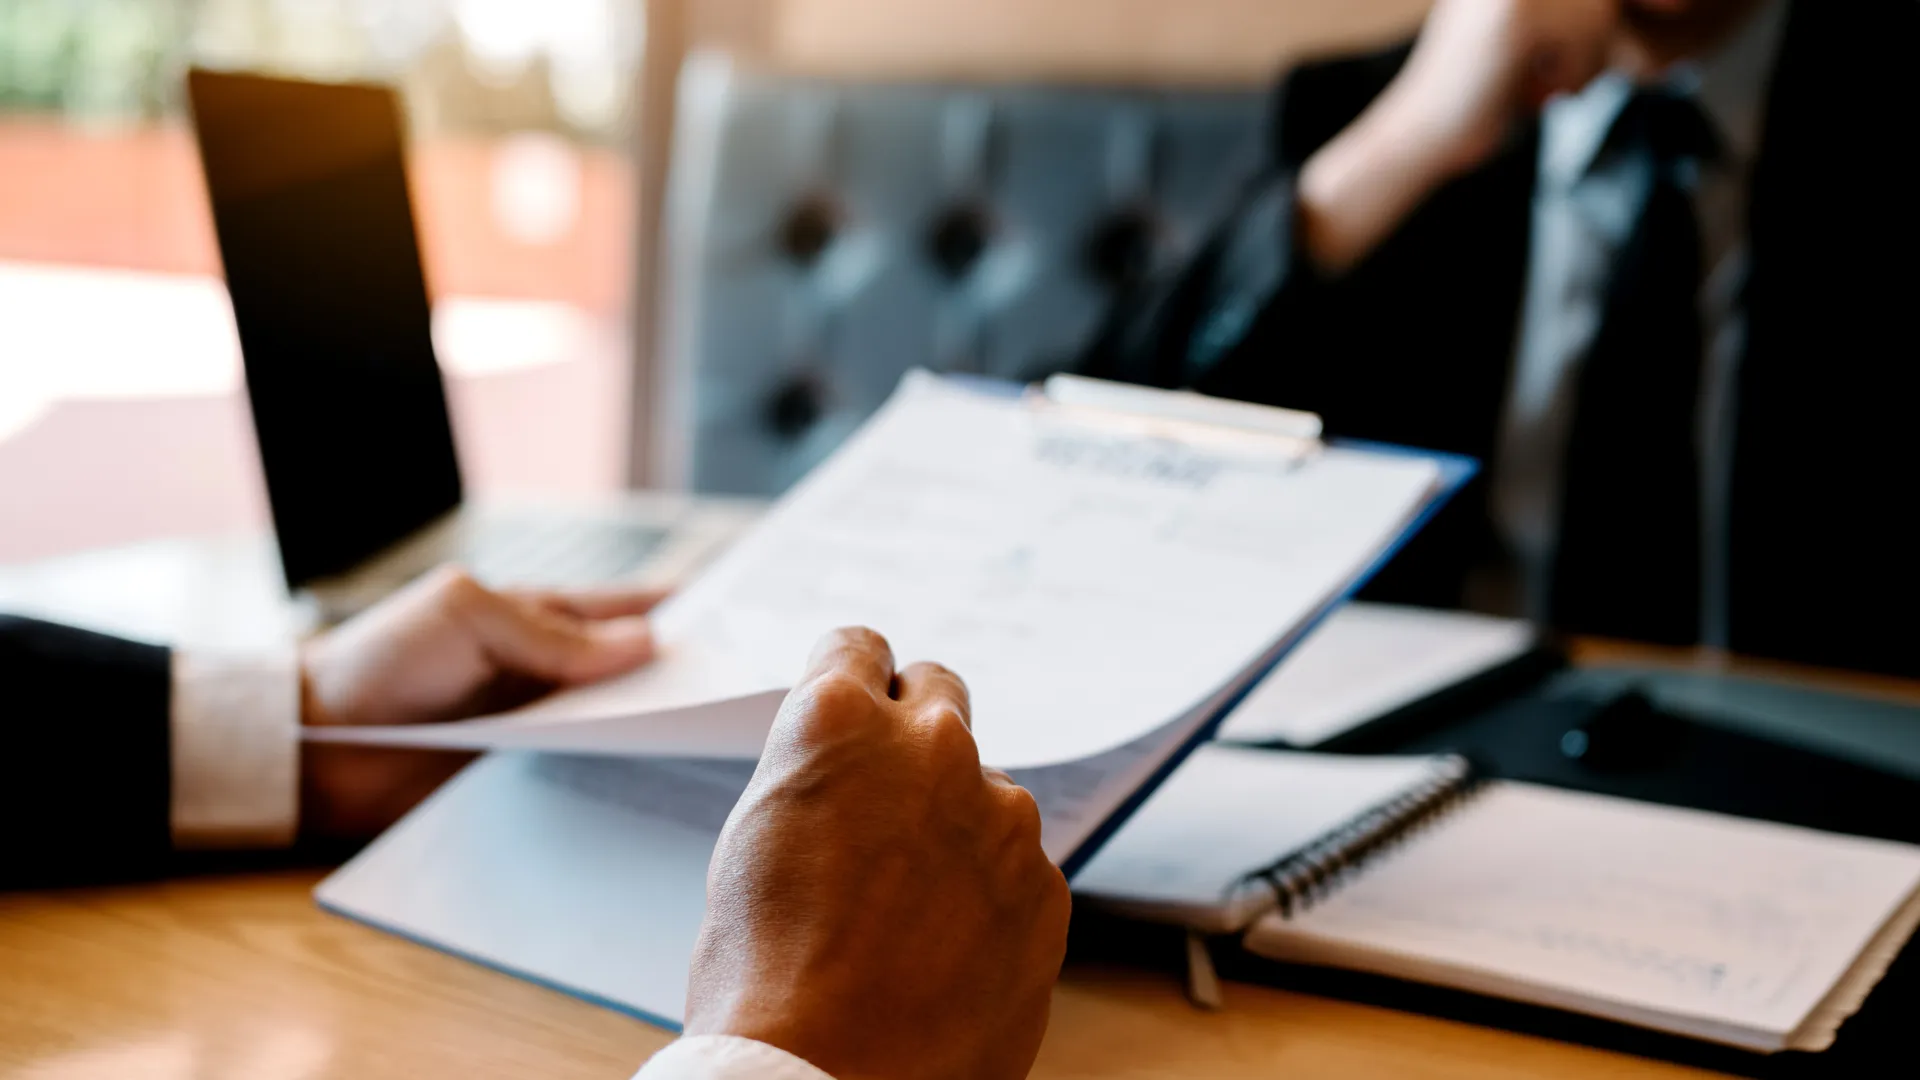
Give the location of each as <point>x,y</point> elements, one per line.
<point>93,59</point>
<point>470,65</point>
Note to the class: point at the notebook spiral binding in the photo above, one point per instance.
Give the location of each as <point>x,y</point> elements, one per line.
<point>1301,879</point>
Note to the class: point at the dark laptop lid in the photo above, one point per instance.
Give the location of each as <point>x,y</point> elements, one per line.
<point>309,192</point>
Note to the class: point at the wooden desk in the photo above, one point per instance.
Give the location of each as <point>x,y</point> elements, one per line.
<point>244,978</point>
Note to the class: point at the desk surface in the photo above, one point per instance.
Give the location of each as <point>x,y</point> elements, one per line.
<point>242,977</point>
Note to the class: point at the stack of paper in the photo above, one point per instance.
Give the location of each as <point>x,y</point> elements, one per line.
<point>1104,592</point>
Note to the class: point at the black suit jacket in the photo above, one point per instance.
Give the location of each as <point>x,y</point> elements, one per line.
<point>85,761</point>
<point>1415,345</point>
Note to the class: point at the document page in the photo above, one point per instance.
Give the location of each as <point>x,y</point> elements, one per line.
<point>1365,661</point>
<point>1715,926</point>
<point>1090,585</point>
<point>1073,798</point>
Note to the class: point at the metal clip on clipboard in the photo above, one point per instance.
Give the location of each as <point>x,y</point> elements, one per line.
<point>1186,417</point>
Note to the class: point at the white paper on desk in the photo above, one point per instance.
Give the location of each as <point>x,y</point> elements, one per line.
<point>1367,660</point>
<point>1090,586</point>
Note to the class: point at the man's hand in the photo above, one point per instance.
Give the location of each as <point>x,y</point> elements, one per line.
<point>1479,65</point>
<point>441,649</point>
<point>879,904</point>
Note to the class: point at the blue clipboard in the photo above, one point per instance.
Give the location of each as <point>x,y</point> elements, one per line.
<point>493,777</point>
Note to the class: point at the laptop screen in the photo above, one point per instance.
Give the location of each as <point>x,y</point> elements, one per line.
<point>309,192</point>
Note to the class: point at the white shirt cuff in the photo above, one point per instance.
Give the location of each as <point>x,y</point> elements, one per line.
<point>235,726</point>
<point>726,1057</point>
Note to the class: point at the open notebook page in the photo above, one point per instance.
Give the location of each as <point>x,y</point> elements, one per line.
<point>1743,932</point>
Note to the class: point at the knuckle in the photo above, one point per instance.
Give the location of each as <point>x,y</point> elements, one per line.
<point>828,708</point>
<point>835,698</point>
<point>942,716</point>
<point>1054,890</point>
<point>948,736</point>
<point>1022,814</point>
<point>934,670</point>
<point>954,686</point>
<point>863,638</point>
<point>959,685</point>
<point>1056,898</point>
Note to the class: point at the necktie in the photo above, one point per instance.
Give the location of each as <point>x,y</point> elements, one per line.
<point>1627,562</point>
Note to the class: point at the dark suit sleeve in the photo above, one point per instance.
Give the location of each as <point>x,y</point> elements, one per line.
<point>1411,346</point>
<point>85,790</point>
<point>1190,328</point>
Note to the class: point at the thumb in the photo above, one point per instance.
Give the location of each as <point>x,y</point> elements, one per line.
<point>531,640</point>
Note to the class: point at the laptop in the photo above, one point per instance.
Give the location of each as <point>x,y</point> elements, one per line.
<point>310,201</point>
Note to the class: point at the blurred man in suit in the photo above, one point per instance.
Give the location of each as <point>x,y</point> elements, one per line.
<point>1650,260</point>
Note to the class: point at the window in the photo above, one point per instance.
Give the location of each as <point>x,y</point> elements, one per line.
<point>119,374</point>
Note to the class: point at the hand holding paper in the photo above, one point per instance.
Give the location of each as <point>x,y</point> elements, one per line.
<point>874,870</point>
<point>443,648</point>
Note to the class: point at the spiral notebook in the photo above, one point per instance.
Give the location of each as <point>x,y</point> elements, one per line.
<point>1756,935</point>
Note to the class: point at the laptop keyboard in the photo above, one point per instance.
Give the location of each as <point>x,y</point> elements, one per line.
<point>560,553</point>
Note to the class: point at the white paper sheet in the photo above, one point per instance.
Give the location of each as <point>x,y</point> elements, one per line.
<point>1367,660</point>
<point>1090,586</point>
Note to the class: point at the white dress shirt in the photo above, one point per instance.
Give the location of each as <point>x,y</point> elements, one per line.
<point>1586,203</point>
<point>234,722</point>
<point>725,1057</point>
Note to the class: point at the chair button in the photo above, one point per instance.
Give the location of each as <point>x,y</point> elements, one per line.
<point>795,406</point>
<point>809,230</point>
<point>959,238</point>
<point>1119,252</point>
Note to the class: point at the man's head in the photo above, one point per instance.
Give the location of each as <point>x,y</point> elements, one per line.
<point>1656,34</point>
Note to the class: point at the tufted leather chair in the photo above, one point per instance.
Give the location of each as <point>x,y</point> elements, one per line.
<point>825,237</point>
